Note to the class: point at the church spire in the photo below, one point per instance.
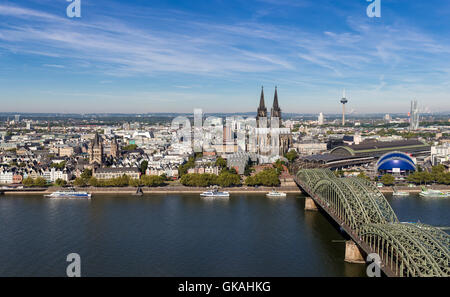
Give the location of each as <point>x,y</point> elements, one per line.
<point>275,100</point>
<point>275,112</point>
<point>262,106</point>
<point>262,110</point>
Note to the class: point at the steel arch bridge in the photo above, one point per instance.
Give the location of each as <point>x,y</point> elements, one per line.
<point>405,249</point>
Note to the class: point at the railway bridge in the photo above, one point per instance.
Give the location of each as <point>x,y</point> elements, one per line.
<point>362,211</point>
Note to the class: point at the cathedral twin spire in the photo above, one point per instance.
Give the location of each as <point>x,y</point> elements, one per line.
<point>262,110</point>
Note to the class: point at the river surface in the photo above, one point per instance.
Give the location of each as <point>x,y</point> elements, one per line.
<point>182,235</point>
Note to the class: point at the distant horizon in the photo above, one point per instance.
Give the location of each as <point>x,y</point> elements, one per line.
<point>12,113</point>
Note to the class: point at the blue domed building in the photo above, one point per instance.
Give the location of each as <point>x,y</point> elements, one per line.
<point>396,163</point>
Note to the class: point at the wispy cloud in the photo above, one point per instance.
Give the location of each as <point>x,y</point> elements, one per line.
<point>379,58</point>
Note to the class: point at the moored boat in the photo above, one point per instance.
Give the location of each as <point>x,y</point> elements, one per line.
<point>429,193</point>
<point>215,193</point>
<point>400,193</point>
<point>275,194</point>
<point>71,193</point>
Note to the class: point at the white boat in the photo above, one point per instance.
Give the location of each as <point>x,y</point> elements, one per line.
<point>276,194</point>
<point>429,193</point>
<point>215,193</point>
<point>69,194</point>
<point>400,193</point>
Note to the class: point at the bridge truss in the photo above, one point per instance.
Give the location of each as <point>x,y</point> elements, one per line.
<point>363,212</point>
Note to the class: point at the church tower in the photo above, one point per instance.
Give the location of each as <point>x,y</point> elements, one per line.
<point>275,112</point>
<point>262,137</point>
<point>114,148</point>
<point>96,150</point>
<point>262,110</point>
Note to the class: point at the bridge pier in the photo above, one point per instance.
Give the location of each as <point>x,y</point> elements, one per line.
<point>352,253</point>
<point>310,204</point>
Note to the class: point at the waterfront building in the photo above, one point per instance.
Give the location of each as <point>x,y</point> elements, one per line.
<point>440,154</point>
<point>114,172</point>
<point>367,152</point>
<point>396,163</point>
<point>52,174</point>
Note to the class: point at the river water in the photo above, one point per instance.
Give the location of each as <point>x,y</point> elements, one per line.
<point>182,235</point>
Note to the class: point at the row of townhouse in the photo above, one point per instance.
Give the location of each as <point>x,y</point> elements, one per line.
<point>170,172</point>
<point>115,172</point>
<point>205,169</point>
<point>16,176</point>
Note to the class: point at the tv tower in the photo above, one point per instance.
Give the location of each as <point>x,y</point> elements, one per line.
<point>343,101</point>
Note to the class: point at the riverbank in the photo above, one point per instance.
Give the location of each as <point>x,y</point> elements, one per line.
<point>157,190</point>
<point>178,189</point>
<point>417,189</point>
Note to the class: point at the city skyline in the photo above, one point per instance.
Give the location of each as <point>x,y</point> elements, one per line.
<point>173,56</point>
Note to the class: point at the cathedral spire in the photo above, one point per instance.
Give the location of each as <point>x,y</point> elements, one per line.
<point>275,100</point>
<point>262,110</point>
<point>262,106</point>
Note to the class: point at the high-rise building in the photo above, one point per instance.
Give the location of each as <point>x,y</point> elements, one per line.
<point>320,119</point>
<point>387,118</point>
<point>414,116</point>
<point>343,101</point>
<point>17,118</point>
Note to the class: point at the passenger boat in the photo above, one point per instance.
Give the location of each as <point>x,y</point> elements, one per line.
<point>275,194</point>
<point>71,193</point>
<point>400,193</point>
<point>429,193</point>
<point>215,193</point>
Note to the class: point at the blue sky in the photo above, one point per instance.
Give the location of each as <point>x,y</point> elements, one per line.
<point>174,56</point>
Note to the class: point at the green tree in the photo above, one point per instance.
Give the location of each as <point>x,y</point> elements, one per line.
<point>60,182</point>
<point>199,180</point>
<point>40,182</point>
<point>86,175</point>
<point>28,182</point>
<point>388,180</point>
<point>267,177</point>
<point>60,165</point>
<point>184,168</point>
<point>152,180</point>
<point>144,166</point>
<point>248,170</point>
<point>130,147</point>
<point>136,182</point>
<point>291,155</point>
<point>221,163</point>
<point>228,179</point>
<point>363,175</point>
<point>80,182</point>
<point>93,182</point>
